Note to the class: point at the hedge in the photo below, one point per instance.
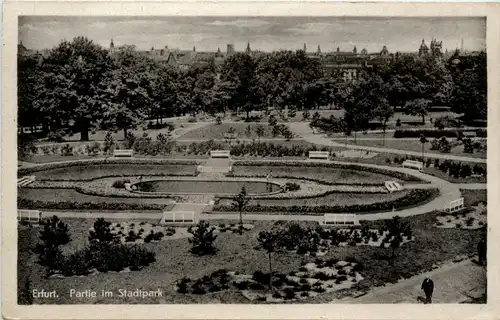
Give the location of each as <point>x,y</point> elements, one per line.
<point>86,162</point>
<point>74,205</point>
<point>413,198</point>
<point>159,174</point>
<point>436,133</point>
<point>394,174</point>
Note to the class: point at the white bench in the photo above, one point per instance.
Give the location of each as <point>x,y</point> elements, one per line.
<point>413,165</point>
<point>393,186</point>
<point>29,215</point>
<point>24,181</point>
<point>325,155</point>
<point>126,153</point>
<point>220,154</point>
<point>454,205</point>
<point>176,217</point>
<point>341,219</point>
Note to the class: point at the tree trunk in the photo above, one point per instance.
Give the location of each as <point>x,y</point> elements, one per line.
<point>124,133</point>
<point>423,119</point>
<point>241,217</point>
<point>248,114</point>
<point>270,273</point>
<point>84,134</point>
<point>383,135</point>
<point>423,152</point>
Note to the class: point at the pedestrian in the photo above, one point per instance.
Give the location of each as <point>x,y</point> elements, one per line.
<point>428,287</point>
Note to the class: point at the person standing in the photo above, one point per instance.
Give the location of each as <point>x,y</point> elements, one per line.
<point>428,287</point>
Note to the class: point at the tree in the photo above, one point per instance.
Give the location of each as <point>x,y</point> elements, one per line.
<point>55,233</point>
<point>203,239</point>
<point>423,141</point>
<point>383,112</point>
<point>74,85</point>
<point>109,142</point>
<point>316,116</point>
<point>230,135</point>
<point>248,131</point>
<point>240,201</point>
<point>306,114</point>
<point>259,131</point>
<point>287,134</point>
<point>101,233</point>
<point>268,240</point>
<point>418,107</point>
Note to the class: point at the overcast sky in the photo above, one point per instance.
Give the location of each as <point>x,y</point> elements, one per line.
<point>263,33</point>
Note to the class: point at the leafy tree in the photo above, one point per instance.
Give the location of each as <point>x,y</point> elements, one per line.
<point>287,134</point>
<point>383,112</point>
<point>240,201</point>
<point>74,85</point>
<point>269,241</point>
<point>248,131</point>
<point>203,239</point>
<point>259,131</point>
<point>418,107</point>
<point>25,146</point>
<point>109,142</point>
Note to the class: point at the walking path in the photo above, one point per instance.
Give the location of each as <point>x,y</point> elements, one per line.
<point>302,129</point>
<point>453,283</point>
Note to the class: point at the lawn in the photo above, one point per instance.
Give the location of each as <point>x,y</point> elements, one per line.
<point>88,172</point>
<point>473,197</point>
<point>333,175</point>
<point>237,253</point>
<point>215,131</point>
<point>70,195</point>
<point>410,145</point>
<point>440,174</point>
<point>341,199</point>
<point>59,158</point>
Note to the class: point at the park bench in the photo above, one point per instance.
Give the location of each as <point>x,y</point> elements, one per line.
<point>220,154</point>
<point>454,205</point>
<point>179,217</point>
<point>325,155</point>
<point>125,153</point>
<point>412,164</point>
<point>24,181</point>
<point>393,186</point>
<point>29,215</point>
<point>341,219</point>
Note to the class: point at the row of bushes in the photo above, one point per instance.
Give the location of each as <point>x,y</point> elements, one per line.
<point>86,162</point>
<point>436,133</point>
<point>459,170</point>
<point>413,198</point>
<point>391,173</point>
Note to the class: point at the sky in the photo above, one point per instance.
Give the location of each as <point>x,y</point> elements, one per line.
<point>263,33</point>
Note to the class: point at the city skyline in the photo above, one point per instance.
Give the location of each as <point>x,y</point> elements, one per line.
<point>263,33</point>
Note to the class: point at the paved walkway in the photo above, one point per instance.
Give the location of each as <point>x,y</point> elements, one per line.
<point>453,283</point>
<point>302,129</point>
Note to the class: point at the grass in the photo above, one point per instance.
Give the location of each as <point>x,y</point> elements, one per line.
<point>440,174</point>
<point>217,187</point>
<point>336,175</point>
<point>473,197</point>
<point>88,172</point>
<point>70,195</point>
<point>237,253</point>
<point>411,145</point>
<point>344,199</point>
<point>215,131</point>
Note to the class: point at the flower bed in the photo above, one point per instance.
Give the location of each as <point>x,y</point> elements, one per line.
<point>288,164</point>
<point>414,198</point>
<point>312,279</point>
<point>470,218</point>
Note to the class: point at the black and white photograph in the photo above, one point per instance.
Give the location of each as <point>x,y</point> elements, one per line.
<point>251,160</point>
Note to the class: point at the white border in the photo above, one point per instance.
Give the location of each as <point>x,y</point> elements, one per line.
<point>298,311</point>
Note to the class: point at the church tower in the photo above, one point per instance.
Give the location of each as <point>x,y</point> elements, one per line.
<point>111,46</point>
<point>248,50</point>
<point>318,51</point>
<point>305,47</point>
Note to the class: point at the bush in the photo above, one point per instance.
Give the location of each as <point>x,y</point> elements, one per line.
<point>203,239</point>
<point>57,136</point>
<point>67,150</point>
<point>120,184</point>
<point>289,294</point>
<point>292,186</point>
<point>429,133</point>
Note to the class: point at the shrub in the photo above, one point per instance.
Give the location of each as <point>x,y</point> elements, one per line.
<point>289,294</point>
<point>256,286</point>
<point>120,184</point>
<point>57,136</point>
<point>305,287</point>
<point>292,186</point>
<point>218,120</point>
<point>67,150</point>
<point>429,133</point>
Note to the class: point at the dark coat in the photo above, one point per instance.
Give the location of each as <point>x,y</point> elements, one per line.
<point>428,285</point>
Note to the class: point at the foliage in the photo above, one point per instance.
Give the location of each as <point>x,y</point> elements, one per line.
<point>55,233</point>
<point>240,201</point>
<point>203,239</point>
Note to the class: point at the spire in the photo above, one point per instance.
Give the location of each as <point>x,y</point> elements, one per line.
<point>218,49</point>
<point>194,49</point>
<point>355,50</point>
<point>305,47</point>
<point>248,50</point>
<point>319,50</point>
<point>111,45</point>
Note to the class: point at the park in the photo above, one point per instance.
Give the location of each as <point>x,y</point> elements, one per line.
<point>235,194</point>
